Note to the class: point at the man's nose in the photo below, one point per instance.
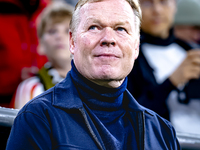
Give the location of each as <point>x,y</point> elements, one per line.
<point>108,38</point>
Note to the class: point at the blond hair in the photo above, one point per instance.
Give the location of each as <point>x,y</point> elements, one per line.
<point>76,18</point>
<point>55,12</point>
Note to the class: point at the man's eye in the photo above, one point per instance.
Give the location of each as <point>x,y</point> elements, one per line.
<point>92,27</point>
<point>121,29</point>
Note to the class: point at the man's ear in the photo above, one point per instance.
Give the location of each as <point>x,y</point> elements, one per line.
<point>137,48</point>
<point>41,48</point>
<point>71,43</point>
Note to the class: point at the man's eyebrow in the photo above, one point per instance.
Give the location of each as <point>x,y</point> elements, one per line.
<point>94,20</point>
<point>122,23</point>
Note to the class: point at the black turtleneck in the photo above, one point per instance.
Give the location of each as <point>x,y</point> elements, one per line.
<point>106,109</point>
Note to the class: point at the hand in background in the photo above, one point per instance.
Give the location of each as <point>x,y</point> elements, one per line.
<point>188,69</point>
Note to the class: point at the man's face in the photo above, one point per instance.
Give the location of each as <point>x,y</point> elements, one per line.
<point>157,16</point>
<point>55,41</point>
<point>106,42</point>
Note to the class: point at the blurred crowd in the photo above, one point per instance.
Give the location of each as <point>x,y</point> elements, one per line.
<point>165,77</point>
<point>19,42</point>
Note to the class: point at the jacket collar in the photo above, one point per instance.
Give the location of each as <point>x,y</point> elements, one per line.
<point>66,96</point>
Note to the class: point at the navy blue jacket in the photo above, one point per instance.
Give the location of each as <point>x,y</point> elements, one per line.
<point>57,119</point>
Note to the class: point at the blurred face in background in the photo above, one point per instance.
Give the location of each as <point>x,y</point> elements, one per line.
<point>55,41</point>
<point>157,16</point>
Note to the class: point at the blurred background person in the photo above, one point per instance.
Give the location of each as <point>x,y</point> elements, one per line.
<point>159,79</point>
<point>19,59</point>
<point>18,42</point>
<point>187,22</point>
<point>187,28</point>
<point>18,55</point>
<point>18,45</point>
<point>52,29</point>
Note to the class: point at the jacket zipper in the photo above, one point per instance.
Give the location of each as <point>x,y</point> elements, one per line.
<point>141,126</point>
<point>90,129</point>
<point>141,121</point>
<point>138,120</point>
<point>143,118</point>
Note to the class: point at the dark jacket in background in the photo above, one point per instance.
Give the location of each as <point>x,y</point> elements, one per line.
<point>142,83</point>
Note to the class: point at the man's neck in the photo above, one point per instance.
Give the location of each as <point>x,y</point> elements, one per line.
<point>109,83</point>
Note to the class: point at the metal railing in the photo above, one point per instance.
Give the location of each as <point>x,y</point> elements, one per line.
<point>187,141</point>
<point>7,116</point>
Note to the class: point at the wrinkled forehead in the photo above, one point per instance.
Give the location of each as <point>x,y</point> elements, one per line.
<point>83,2</point>
<point>103,12</point>
<point>112,8</point>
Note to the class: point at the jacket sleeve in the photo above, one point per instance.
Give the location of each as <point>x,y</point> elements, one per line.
<point>176,142</point>
<point>175,145</point>
<point>29,131</point>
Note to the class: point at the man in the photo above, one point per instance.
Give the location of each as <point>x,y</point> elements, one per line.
<point>53,28</point>
<point>91,108</point>
<point>160,79</point>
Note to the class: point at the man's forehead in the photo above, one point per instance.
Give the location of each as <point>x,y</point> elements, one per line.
<point>119,8</point>
<point>107,19</point>
<point>111,2</point>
